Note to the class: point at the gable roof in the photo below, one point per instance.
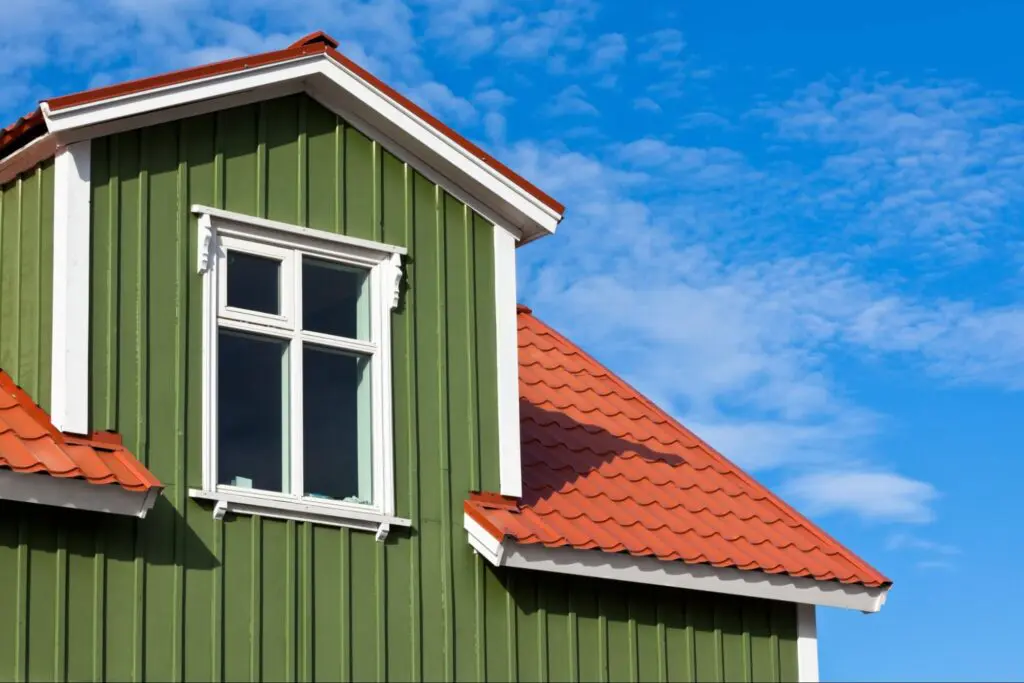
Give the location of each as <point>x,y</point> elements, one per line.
<point>49,113</point>
<point>33,450</point>
<point>605,470</point>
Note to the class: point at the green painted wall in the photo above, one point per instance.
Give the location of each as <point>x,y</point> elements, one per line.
<point>26,280</point>
<point>182,596</point>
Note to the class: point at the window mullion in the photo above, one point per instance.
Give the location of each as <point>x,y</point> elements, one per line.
<point>296,385</point>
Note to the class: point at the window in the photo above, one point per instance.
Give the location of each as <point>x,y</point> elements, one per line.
<point>297,405</point>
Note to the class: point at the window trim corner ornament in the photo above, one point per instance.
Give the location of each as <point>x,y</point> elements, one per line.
<point>206,243</point>
<point>384,263</point>
<point>396,279</point>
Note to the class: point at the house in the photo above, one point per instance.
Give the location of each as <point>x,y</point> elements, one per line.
<point>269,411</point>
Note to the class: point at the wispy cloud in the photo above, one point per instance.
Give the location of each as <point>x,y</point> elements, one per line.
<point>872,495</point>
<point>905,541</point>
<point>571,101</point>
<point>934,162</point>
<point>646,104</point>
<point>661,45</point>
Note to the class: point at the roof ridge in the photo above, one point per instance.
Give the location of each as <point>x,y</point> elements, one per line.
<point>739,472</point>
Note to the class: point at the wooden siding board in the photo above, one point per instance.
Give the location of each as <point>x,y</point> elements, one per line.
<point>26,272</point>
<point>180,596</point>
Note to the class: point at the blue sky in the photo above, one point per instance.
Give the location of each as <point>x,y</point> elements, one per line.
<point>796,226</point>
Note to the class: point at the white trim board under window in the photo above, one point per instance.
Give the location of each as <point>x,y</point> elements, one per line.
<point>297,412</point>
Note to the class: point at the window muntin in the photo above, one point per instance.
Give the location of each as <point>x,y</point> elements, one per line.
<point>315,425</point>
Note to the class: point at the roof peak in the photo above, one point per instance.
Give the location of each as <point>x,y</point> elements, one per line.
<point>315,38</point>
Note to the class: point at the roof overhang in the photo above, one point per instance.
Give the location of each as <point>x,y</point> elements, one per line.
<point>349,91</point>
<point>505,552</point>
<point>42,488</point>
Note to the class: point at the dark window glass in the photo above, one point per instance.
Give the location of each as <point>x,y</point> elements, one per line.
<point>336,429</point>
<point>252,412</point>
<point>335,299</point>
<point>254,282</point>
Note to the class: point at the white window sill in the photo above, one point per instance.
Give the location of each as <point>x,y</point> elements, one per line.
<point>300,511</point>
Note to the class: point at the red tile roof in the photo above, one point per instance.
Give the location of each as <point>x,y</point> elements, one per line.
<point>606,469</point>
<point>30,443</point>
<point>315,43</point>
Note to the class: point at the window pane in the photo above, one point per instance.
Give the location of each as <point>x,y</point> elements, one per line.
<point>335,299</point>
<point>254,282</point>
<point>336,429</point>
<point>252,412</point>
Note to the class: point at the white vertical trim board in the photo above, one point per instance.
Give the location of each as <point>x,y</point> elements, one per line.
<point>806,644</point>
<point>69,389</point>
<point>508,362</point>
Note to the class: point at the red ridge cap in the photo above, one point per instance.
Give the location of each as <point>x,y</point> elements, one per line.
<point>523,308</point>
<point>314,38</point>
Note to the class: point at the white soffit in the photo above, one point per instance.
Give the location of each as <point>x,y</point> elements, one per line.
<point>651,570</point>
<point>340,89</point>
<point>77,494</point>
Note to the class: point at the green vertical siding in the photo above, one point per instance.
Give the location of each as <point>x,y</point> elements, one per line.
<point>26,280</point>
<point>180,596</point>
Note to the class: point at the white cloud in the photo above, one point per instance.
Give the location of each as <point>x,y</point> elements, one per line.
<point>646,104</point>
<point>571,101</point>
<point>438,99</point>
<point>493,98</point>
<point>607,51</point>
<point>882,496</point>
<point>905,541</point>
<point>660,45</point>
<point>934,163</point>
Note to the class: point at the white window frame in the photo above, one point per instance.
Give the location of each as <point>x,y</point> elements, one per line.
<point>220,230</point>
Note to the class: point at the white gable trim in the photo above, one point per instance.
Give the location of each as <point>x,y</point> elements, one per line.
<point>69,388</point>
<point>320,74</point>
<point>806,644</point>
<point>78,494</point>
<point>509,456</point>
<point>701,577</point>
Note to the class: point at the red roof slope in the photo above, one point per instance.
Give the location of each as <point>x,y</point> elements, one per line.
<point>318,42</point>
<point>606,469</point>
<point>30,443</point>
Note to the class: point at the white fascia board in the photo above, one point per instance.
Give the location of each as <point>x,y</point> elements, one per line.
<point>700,577</point>
<point>806,644</point>
<point>78,494</point>
<point>69,388</point>
<point>122,112</point>
<point>509,437</point>
<point>482,541</point>
<point>178,94</point>
<point>27,158</point>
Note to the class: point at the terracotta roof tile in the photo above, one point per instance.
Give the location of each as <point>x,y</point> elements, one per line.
<point>30,443</point>
<point>604,468</point>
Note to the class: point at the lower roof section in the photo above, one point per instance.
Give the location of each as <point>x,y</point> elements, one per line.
<point>42,465</point>
<point>674,574</point>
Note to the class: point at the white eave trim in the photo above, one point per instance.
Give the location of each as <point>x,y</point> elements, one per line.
<point>317,74</point>
<point>78,494</point>
<point>701,577</point>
